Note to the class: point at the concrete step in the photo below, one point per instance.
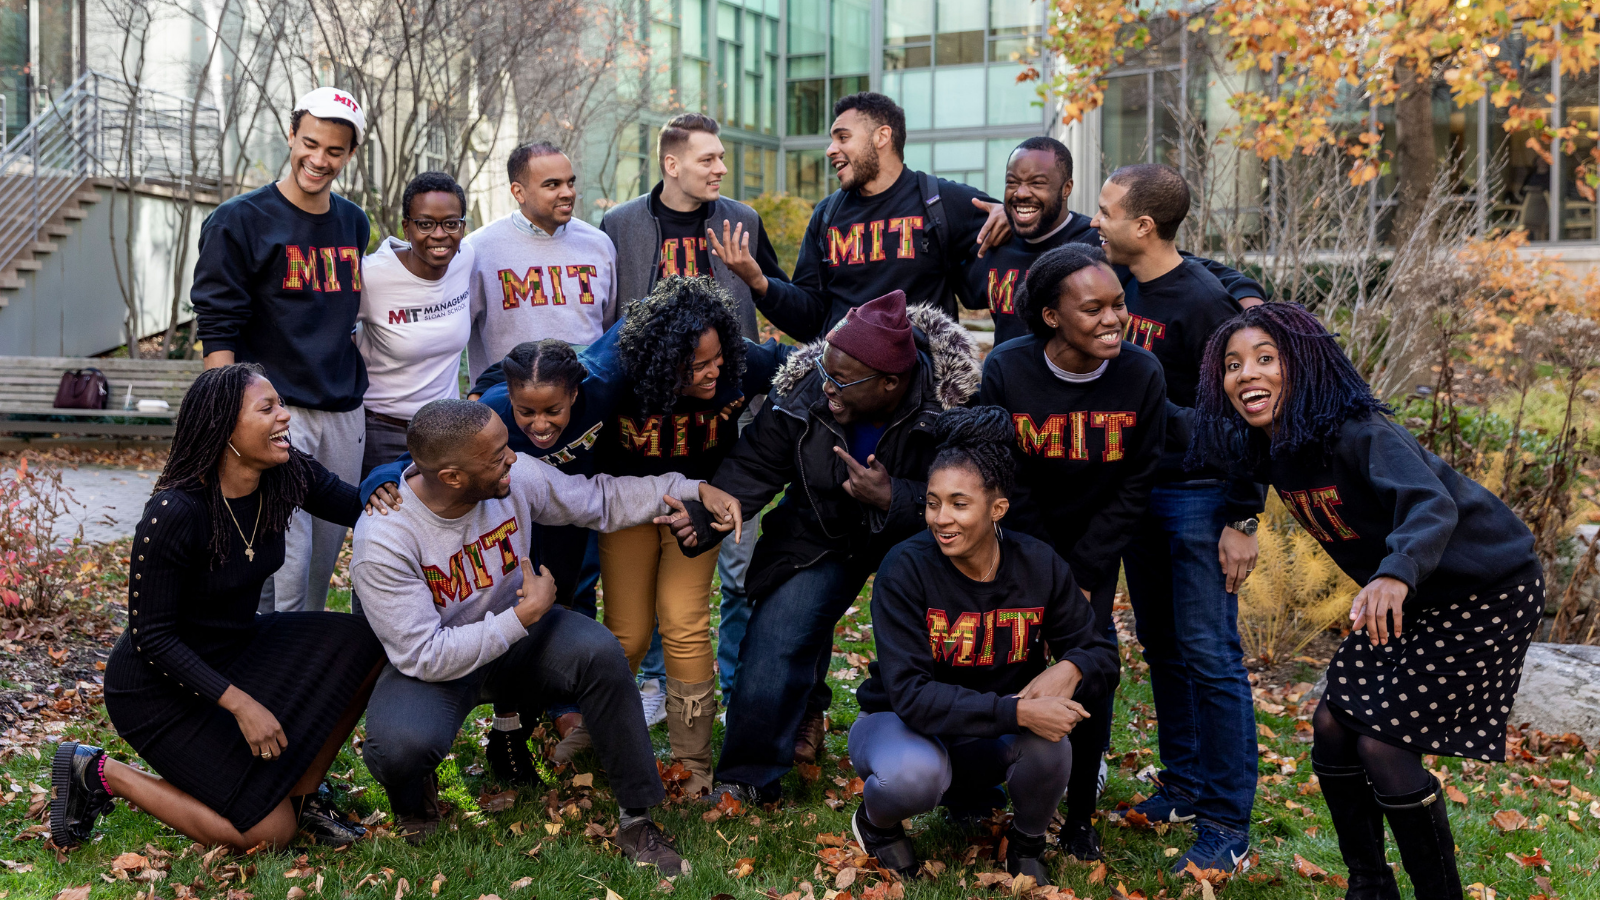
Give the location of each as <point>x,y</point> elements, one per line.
<point>74,213</point>
<point>83,196</point>
<point>25,265</point>
<point>44,247</point>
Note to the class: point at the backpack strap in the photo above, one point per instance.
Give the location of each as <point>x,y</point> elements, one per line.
<point>928,186</point>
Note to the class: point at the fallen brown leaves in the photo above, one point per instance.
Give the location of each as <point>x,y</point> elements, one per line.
<point>1508,820</point>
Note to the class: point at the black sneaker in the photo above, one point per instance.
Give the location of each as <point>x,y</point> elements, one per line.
<point>749,797</point>
<point>509,757</point>
<point>890,846</point>
<point>1081,841</point>
<point>324,823</point>
<point>77,798</point>
<point>645,843</point>
<point>1022,856</point>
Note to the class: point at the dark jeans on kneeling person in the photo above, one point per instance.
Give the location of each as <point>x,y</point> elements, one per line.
<point>566,657</point>
<point>907,772</point>
<point>782,662</point>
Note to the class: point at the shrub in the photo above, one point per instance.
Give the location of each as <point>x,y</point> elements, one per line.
<point>45,565</point>
<point>1295,593</point>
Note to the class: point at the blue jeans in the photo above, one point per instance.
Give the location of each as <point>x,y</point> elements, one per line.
<point>787,643</point>
<point>1189,626</point>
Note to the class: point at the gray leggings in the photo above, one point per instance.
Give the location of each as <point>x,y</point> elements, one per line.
<point>907,773</point>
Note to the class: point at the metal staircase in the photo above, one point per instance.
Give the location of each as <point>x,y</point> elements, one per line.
<point>100,132</point>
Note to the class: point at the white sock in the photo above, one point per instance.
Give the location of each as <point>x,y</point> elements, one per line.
<point>512,722</point>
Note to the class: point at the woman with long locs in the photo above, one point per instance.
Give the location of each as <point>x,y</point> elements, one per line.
<point>1451,589</point>
<point>239,714</point>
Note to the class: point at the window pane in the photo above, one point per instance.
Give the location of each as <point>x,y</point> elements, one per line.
<point>914,92</point>
<point>752,43</point>
<point>692,85</point>
<point>962,90</point>
<point>901,57</point>
<point>694,28</point>
<point>1124,129</point>
<point>769,100</point>
<point>754,181</point>
<point>1013,50</point>
<point>727,22</point>
<point>999,155</point>
<point>958,155</point>
<point>805,107</point>
<point>907,21</point>
<point>960,15</point>
<point>806,66</point>
<point>919,157</point>
<point>1578,97</point>
<point>1168,108</point>
<point>960,33</point>
<point>852,21</point>
<point>1012,102</point>
<point>749,110</point>
<point>808,26</point>
<point>808,174</point>
<point>1013,17</point>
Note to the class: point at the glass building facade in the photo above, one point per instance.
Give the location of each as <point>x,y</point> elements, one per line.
<point>770,71</point>
<point>1173,87</point>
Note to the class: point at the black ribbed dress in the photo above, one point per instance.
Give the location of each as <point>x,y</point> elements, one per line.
<point>193,631</point>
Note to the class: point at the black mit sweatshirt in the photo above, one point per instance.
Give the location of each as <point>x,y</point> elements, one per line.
<point>1086,453</point>
<point>953,652</point>
<point>876,245</point>
<point>998,277</point>
<point>281,287</point>
<point>1381,505</point>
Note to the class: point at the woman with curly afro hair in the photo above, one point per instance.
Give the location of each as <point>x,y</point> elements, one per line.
<point>1451,595</point>
<point>683,370</point>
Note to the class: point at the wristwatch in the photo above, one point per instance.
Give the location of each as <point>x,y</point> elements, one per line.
<point>1247,526</point>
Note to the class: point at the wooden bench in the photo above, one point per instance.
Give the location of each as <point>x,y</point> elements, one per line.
<point>28,390</point>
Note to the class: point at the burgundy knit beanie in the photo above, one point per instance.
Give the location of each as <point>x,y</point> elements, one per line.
<point>878,334</point>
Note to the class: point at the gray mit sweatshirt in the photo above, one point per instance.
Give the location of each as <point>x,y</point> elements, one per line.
<point>439,592</point>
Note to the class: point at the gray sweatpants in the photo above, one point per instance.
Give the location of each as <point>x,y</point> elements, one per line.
<point>312,546</point>
<point>907,772</point>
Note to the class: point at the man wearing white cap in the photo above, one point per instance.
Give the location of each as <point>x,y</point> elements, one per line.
<point>278,283</point>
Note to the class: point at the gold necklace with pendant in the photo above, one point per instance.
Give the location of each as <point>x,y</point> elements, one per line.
<point>249,542</point>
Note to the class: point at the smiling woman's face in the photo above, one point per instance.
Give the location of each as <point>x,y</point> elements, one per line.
<point>542,411</point>
<point>1253,378</point>
<point>261,436</point>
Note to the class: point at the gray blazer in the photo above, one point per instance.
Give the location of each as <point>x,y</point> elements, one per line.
<point>637,235</point>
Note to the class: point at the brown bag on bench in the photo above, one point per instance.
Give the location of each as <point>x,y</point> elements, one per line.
<point>82,389</point>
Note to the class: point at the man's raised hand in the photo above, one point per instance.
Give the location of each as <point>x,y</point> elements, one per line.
<point>734,251</point>
<point>997,230</point>
<point>538,593</point>
<point>869,483</point>
<point>724,509</point>
<point>679,521</point>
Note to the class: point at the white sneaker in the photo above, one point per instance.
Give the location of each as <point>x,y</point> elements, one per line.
<point>654,700</point>
<point>1100,784</point>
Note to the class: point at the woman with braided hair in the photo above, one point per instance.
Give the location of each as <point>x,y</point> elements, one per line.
<point>240,714</point>
<point>1089,411</point>
<point>1451,595</point>
<point>985,706</point>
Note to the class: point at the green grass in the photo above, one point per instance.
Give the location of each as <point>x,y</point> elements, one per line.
<point>484,853</point>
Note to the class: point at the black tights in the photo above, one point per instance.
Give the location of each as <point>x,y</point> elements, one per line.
<point>1392,771</point>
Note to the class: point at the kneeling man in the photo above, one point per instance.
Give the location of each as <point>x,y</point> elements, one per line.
<point>448,582</point>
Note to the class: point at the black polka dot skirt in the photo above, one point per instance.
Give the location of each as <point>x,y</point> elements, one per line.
<point>1447,685</point>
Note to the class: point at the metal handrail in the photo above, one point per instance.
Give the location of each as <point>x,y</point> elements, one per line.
<point>101,127</point>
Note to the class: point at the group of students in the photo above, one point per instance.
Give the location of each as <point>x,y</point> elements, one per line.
<point>1136,403</point>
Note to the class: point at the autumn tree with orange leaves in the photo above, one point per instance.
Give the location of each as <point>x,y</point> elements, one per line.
<point>1306,54</point>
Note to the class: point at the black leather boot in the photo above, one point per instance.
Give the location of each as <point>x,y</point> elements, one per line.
<point>77,798</point>
<point>320,819</point>
<point>1358,822</point>
<point>509,757</point>
<point>1022,856</point>
<point>1427,849</point>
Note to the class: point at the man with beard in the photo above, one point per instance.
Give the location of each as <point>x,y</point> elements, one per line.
<point>278,282</point>
<point>887,228</point>
<point>1038,185</point>
<point>454,589</point>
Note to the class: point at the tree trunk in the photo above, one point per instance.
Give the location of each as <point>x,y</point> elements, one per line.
<point>1416,163</point>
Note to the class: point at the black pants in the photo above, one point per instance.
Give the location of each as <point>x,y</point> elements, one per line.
<point>566,657</point>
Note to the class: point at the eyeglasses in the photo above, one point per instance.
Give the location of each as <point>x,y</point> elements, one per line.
<point>427,226</point>
<point>837,385</point>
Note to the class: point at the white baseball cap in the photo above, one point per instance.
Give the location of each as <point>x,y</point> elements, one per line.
<point>332,103</point>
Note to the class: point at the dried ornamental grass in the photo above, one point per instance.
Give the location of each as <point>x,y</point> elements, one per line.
<point>1295,593</point>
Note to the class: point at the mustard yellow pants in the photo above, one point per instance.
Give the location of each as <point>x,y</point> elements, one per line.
<point>648,583</point>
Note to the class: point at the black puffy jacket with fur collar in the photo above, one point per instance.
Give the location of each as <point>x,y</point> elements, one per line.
<point>790,446</point>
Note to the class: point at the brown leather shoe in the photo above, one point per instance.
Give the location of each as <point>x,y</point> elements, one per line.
<point>419,825</point>
<point>646,844</point>
<point>808,743</point>
<point>574,738</point>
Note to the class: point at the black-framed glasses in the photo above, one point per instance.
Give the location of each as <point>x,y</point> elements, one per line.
<point>837,385</point>
<point>427,226</point>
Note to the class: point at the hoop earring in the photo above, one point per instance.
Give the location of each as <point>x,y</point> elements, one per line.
<point>235,450</point>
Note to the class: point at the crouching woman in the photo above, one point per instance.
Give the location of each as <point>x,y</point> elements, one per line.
<point>240,714</point>
<point>1452,591</point>
<point>966,616</point>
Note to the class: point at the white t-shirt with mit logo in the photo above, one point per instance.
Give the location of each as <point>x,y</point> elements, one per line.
<point>412,330</point>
